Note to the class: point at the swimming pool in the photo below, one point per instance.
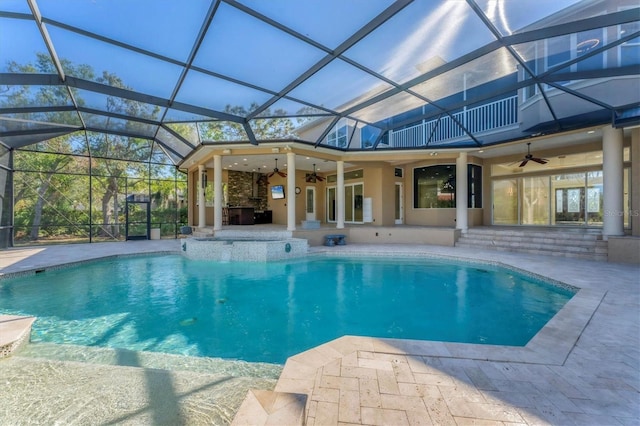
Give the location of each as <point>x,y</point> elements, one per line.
<point>266,312</point>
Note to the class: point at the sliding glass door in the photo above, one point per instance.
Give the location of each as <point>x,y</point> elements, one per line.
<point>353,203</point>
<point>569,199</point>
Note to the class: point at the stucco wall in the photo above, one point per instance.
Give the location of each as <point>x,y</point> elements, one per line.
<point>624,250</point>
<point>402,235</point>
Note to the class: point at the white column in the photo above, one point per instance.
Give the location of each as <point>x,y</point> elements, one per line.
<point>291,191</point>
<point>201,209</point>
<point>462,189</point>
<point>218,196</point>
<point>340,195</point>
<point>634,215</point>
<point>612,176</point>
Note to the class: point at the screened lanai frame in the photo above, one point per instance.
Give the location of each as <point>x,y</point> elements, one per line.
<point>198,73</point>
<point>70,193</point>
<point>271,60</point>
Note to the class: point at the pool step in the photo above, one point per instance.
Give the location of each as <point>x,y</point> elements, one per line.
<point>262,407</point>
<point>14,332</point>
<point>578,244</point>
<point>147,359</point>
<point>254,234</point>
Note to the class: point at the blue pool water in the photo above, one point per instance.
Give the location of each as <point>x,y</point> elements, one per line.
<point>266,312</point>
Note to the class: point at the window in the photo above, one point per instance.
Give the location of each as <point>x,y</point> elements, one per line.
<point>474,176</point>
<point>559,50</point>
<point>354,174</point>
<point>629,52</point>
<point>587,41</point>
<point>338,137</point>
<point>435,186</point>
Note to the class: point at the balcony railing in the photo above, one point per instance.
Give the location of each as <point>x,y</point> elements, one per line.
<point>484,118</point>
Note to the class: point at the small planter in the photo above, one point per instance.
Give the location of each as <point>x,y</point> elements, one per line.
<point>155,234</point>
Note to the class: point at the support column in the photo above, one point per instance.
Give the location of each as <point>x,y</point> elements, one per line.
<point>291,191</point>
<point>201,209</point>
<point>218,196</point>
<point>340,195</point>
<point>612,176</point>
<point>462,190</point>
<point>634,214</point>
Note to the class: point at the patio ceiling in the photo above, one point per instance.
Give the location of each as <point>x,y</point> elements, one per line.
<point>184,73</point>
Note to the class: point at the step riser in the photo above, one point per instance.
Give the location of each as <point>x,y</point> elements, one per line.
<point>573,237</point>
<point>549,249</point>
<point>526,240</point>
<point>573,245</point>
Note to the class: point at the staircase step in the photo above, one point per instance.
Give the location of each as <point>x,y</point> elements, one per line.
<point>533,239</point>
<point>528,246</point>
<point>253,234</point>
<point>537,234</point>
<point>581,244</point>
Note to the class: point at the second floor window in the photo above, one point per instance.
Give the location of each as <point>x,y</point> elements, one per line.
<point>629,52</point>
<point>338,137</point>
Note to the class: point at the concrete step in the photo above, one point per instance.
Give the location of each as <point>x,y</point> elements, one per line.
<point>202,232</point>
<point>565,235</point>
<point>581,244</point>
<point>253,234</point>
<point>545,251</point>
<point>531,239</point>
<point>524,241</point>
<point>527,246</point>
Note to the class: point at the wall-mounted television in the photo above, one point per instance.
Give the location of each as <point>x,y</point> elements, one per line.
<point>277,192</point>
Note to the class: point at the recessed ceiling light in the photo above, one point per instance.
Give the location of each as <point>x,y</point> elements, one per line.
<point>244,159</point>
<point>590,132</point>
<point>481,151</point>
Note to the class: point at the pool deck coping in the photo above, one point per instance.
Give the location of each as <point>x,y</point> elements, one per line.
<point>300,384</point>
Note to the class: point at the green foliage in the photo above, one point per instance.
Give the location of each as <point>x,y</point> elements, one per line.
<point>76,185</point>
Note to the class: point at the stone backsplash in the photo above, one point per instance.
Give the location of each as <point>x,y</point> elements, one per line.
<point>247,190</point>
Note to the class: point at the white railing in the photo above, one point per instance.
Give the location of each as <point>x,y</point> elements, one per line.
<point>484,118</point>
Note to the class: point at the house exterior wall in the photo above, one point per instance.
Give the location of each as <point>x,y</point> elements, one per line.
<point>635,180</point>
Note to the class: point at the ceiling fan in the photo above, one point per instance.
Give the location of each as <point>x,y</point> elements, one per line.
<point>313,177</point>
<point>275,170</point>
<point>530,157</point>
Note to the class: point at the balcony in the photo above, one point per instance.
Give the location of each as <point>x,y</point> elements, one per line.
<point>487,118</point>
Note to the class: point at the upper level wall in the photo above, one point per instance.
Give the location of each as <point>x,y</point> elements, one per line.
<point>617,91</point>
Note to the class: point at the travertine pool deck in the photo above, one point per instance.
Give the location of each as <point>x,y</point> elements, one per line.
<point>583,368</point>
